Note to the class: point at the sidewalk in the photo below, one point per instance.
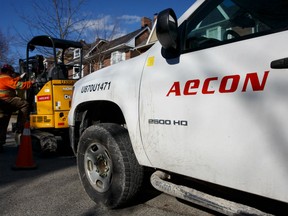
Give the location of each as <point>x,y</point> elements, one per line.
<point>13,119</point>
<point>10,139</point>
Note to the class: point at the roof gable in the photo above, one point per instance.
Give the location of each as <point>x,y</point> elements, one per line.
<point>124,41</point>
<point>94,46</point>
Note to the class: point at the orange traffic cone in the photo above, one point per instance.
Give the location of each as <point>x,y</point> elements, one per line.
<point>25,155</point>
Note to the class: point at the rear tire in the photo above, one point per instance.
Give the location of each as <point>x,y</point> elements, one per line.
<point>107,166</point>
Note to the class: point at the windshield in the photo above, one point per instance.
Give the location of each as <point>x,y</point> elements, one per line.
<point>234,20</point>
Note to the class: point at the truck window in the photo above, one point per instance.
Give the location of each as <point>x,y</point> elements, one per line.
<point>234,20</point>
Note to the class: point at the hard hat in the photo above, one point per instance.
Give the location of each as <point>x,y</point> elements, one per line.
<point>6,67</point>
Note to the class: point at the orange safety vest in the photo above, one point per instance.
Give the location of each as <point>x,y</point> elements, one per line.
<point>8,85</point>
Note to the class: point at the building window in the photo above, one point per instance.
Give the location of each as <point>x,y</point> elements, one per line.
<point>117,57</point>
<point>214,33</point>
<point>77,53</point>
<point>101,65</point>
<point>76,71</point>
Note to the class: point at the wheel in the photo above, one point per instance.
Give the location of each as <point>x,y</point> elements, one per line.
<point>44,143</point>
<point>107,166</point>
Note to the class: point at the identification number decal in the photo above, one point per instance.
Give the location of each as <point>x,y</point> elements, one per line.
<point>96,87</point>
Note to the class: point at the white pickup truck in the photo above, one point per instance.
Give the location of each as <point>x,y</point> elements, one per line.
<point>208,101</point>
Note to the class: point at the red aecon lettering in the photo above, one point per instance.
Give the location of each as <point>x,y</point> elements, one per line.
<point>228,84</point>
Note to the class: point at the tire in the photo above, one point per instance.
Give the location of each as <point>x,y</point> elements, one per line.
<point>108,168</point>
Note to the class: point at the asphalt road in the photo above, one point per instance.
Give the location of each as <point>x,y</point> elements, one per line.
<point>54,188</point>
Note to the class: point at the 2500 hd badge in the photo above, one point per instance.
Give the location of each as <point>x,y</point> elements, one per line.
<point>168,122</point>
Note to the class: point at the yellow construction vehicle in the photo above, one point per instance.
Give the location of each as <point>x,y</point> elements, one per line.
<point>50,96</point>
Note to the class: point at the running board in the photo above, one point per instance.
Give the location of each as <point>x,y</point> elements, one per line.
<point>202,199</point>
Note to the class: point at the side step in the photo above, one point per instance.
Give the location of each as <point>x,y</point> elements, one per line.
<point>202,199</point>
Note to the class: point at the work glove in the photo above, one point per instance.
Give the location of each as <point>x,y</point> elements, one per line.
<point>22,75</point>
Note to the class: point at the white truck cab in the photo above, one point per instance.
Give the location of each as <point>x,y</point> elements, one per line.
<point>208,101</point>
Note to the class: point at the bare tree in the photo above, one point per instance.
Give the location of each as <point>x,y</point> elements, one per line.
<point>62,19</point>
<point>4,50</point>
<point>57,18</point>
<point>65,19</point>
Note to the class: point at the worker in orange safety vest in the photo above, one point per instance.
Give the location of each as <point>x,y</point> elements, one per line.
<point>10,102</point>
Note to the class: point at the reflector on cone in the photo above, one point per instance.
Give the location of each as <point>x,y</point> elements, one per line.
<point>25,154</point>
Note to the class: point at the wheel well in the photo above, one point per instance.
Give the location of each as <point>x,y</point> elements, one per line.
<point>95,112</point>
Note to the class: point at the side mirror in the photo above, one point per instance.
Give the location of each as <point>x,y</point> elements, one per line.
<point>167,29</point>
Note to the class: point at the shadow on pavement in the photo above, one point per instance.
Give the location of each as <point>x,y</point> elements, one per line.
<point>44,165</point>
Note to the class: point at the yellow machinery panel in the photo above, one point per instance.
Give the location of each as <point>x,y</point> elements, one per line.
<point>62,94</point>
<point>44,100</point>
<point>61,119</point>
<point>53,103</point>
<point>42,121</point>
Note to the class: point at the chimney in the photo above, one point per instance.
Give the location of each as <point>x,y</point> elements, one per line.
<point>146,22</point>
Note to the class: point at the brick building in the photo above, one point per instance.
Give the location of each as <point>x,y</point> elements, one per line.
<point>103,53</point>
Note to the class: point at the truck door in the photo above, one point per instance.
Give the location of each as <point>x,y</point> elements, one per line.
<point>219,111</point>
